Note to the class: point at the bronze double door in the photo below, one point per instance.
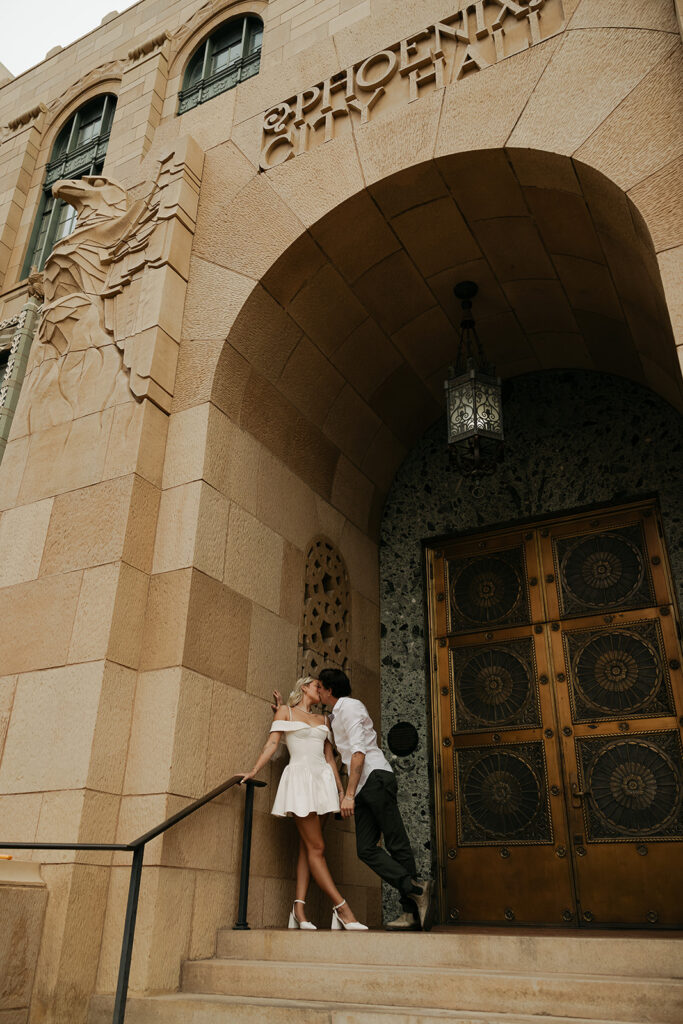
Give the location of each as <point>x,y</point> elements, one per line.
<point>557,707</point>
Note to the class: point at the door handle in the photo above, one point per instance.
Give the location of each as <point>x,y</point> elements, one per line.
<point>577,794</point>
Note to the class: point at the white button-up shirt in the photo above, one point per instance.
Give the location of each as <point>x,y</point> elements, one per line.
<point>353,731</point>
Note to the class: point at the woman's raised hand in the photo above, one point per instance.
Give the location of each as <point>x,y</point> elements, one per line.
<point>277,701</point>
<point>246,775</point>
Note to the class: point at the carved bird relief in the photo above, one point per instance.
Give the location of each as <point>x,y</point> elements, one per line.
<point>83,356</point>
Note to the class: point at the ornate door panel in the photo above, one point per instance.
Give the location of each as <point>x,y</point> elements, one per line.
<point>616,651</point>
<point>558,697</point>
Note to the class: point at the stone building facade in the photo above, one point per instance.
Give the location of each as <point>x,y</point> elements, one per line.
<point>214,382</point>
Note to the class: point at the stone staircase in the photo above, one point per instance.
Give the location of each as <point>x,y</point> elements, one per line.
<point>466,975</point>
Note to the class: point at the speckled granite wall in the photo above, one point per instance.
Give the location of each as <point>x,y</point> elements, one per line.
<point>572,439</point>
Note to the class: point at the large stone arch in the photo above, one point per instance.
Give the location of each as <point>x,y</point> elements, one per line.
<point>600,93</point>
<point>342,347</point>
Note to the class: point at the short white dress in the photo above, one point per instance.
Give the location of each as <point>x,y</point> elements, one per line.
<point>308,783</point>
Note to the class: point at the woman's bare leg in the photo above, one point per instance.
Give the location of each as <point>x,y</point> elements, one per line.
<point>303,878</point>
<point>312,838</point>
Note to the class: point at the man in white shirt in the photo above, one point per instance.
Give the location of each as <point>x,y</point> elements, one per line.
<point>371,795</point>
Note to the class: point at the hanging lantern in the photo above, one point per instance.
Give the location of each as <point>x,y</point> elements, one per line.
<point>474,407</point>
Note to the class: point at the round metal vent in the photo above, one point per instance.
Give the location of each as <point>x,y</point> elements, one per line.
<point>402,739</point>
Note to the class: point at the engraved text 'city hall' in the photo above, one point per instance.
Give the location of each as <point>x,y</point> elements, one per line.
<point>478,34</point>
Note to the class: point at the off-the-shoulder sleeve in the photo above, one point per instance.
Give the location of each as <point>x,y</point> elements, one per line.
<point>284,726</point>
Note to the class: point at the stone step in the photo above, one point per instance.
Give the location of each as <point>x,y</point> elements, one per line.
<point>635,955</point>
<point>204,1009</point>
<point>475,991</point>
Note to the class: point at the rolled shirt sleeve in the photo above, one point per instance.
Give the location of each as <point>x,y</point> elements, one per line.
<point>355,731</point>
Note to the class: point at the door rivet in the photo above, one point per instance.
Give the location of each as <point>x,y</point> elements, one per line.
<point>443,643</point>
<point>533,582</point>
<point>664,610</point>
<point>528,536</point>
<point>561,851</point>
<point>567,915</point>
<point>587,916</point>
<point>652,916</point>
<point>454,914</point>
<point>548,734</point>
<point>452,853</point>
<point>550,578</point>
<point>446,741</point>
<point>560,677</point>
<point>656,559</point>
<point>624,726</point>
<point>504,852</point>
<point>581,851</point>
<point>566,730</point>
<point>555,790</point>
<point>444,691</point>
<point>555,626</point>
<point>543,680</point>
<point>441,596</point>
<point>674,664</point>
<point>641,850</point>
<point>509,914</point>
<point>538,629</point>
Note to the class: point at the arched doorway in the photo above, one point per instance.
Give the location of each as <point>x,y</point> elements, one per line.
<point>335,363</point>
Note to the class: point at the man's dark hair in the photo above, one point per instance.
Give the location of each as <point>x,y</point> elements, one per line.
<point>336,681</point>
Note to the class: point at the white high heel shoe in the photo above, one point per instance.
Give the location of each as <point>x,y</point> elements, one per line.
<point>294,922</point>
<point>350,926</point>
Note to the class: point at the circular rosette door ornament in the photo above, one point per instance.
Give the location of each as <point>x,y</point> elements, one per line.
<point>493,686</point>
<point>502,795</point>
<point>603,570</point>
<point>489,590</point>
<point>618,673</point>
<point>634,786</point>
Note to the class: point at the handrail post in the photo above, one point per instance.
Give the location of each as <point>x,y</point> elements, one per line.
<point>128,935</point>
<point>241,923</point>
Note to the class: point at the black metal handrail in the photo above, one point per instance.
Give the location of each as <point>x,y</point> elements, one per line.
<point>137,848</point>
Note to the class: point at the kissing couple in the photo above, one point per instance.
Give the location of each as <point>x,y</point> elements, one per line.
<point>310,786</point>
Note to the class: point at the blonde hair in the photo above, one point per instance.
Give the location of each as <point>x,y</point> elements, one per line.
<point>296,696</point>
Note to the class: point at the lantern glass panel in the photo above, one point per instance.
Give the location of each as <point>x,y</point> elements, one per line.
<point>488,409</point>
<point>460,395</point>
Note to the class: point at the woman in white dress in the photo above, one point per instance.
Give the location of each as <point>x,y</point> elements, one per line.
<point>310,786</point>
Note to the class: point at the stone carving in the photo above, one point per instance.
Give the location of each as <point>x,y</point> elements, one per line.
<point>111,71</point>
<point>148,47</point>
<point>203,17</point>
<point>13,324</point>
<point>29,115</point>
<point>479,33</point>
<point>113,295</point>
<point>325,628</point>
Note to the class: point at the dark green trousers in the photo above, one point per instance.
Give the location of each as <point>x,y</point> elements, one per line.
<point>377,815</point>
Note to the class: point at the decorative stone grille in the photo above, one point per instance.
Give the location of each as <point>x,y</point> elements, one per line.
<point>16,335</point>
<point>325,627</point>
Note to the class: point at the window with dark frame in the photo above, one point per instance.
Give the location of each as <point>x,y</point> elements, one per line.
<point>79,150</point>
<point>227,57</point>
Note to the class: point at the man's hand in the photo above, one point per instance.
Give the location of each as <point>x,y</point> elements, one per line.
<point>348,806</point>
<point>277,698</point>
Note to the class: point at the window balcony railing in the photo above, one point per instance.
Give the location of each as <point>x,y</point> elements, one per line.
<point>227,78</point>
